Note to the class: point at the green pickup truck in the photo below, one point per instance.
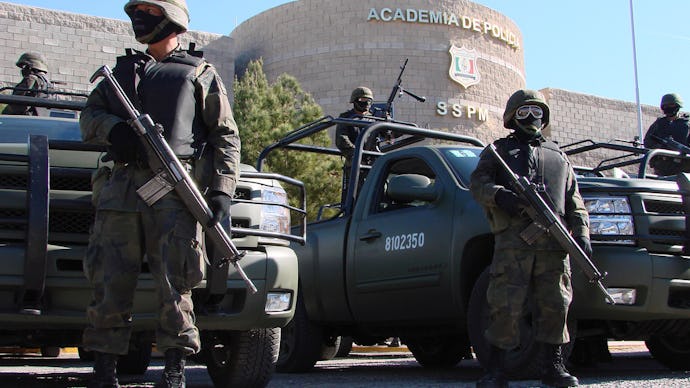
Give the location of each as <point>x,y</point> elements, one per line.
<point>407,255</point>
<point>45,217</point>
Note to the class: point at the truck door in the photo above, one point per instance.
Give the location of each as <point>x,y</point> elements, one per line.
<point>399,251</point>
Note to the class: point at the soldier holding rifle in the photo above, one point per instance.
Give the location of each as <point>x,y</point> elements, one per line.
<point>184,93</point>
<point>539,268</point>
<point>34,70</point>
<point>674,125</point>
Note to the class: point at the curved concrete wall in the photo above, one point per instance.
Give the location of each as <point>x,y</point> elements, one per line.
<point>332,46</point>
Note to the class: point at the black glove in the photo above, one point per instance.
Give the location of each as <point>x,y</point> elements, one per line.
<point>219,202</point>
<point>509,202</point>
<point>124,143</point>
<point>585,244</point>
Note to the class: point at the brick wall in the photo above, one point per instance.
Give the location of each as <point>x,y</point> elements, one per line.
<point>576,117</point>
<point>331,48</point>
<point>75,46</point>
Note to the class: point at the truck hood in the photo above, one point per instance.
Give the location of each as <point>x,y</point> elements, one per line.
<point>626,184</point>
<point>58,158</point>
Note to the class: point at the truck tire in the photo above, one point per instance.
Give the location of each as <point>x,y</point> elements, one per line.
<point>345,346</point>
<point>519,361</point>
<point>50,351</point>
<point>136,361</point>
<point>673,352</point>
<point>444,351</point>
<point>241,358</point>
<point>301,342</point>
<point>84,354</point>
<point>330,347</point>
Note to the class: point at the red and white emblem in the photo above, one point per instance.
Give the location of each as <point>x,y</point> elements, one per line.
<point>463,66</point>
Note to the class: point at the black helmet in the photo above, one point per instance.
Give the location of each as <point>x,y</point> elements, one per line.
<point>670,99</point>
<point>524,97</point>
<point>174,10</point>
<point>33,60</point>
<point>361,91</point>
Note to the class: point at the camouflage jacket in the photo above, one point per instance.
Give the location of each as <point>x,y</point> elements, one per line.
<point>217,169</point>
<point>30,86</point>
<point>506,228</point>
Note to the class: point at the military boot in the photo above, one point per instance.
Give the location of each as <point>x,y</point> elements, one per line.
<point>495,376</point>
<point>173,374</point>
<point>553,371</point>
<point>104,371</point>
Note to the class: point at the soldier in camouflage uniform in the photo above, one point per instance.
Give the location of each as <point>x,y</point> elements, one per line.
<point>346,135</point>
<point>362,99</point>
<point>185,94</point>
<point>675,124</point>
<point>540,271</point>
<point>34,70</point>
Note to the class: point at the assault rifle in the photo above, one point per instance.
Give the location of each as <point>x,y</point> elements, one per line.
<point>545,220</point>
<point>398,91</point>
<point>172,175</point>
<point>670,143</point>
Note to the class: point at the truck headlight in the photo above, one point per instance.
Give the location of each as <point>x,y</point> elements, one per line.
<point>275,218</point>
<point>277,302</point>
<point>623,295</point>
<point>610,215</point>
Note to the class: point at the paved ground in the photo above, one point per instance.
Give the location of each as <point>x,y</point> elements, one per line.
<point>378,366</point>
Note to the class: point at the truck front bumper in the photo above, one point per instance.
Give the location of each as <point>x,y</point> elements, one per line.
<point>272,269</point>
<point>661,283</point>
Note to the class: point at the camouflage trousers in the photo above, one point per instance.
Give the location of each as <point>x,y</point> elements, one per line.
<point>519,276</point>
<point>169,240</point>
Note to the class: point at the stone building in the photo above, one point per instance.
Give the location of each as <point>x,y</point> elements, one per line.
<point>466,59</point>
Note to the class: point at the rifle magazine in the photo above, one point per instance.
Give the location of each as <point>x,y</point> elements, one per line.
<point>155,189</point>
<point>531,233</point>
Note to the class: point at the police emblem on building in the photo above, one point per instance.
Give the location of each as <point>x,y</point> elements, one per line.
<point>463,66</point>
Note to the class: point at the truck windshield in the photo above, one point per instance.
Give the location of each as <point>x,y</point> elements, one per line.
<point>463,161</point>
<point>16,129</point>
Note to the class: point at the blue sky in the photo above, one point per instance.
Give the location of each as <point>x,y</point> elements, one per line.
<point>583,46</point>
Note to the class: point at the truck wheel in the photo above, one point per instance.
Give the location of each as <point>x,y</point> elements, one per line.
<point>84,354</point>
<point>672,352</point>
<point>519,361</point>
<point>50,351</point>
<point>345,346</point>
<point>300,344</point>
<point>136,361</point>
<point>439,352</point>
<point>330,347</point>
<point>241,358</point>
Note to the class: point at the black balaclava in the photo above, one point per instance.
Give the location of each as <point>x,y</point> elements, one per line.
<point>150,28</point>
<point>362,106</point>
<point>529,126</point>
<point>670,110</point>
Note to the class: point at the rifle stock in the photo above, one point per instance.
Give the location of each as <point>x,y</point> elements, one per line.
<point>544,219</point>
<point>172,175</point>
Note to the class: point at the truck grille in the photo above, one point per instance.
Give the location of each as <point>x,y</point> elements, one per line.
<point>57,182</point>
<point>653,206</point>
<point>659,222</point>
<point>12,182</point>
<point>59,222</point>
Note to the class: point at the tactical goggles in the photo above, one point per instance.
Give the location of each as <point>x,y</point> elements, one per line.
<point>364,99</point>
<point>525,110</point>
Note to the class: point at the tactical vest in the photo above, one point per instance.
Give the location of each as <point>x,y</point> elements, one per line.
<point>165,90</point>
<point>543,164</point>
<point>679,128</point>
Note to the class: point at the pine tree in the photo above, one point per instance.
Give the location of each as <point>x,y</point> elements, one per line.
<point>267,112</point>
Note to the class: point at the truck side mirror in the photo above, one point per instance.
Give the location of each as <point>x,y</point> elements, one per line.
<point>406,188</point>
